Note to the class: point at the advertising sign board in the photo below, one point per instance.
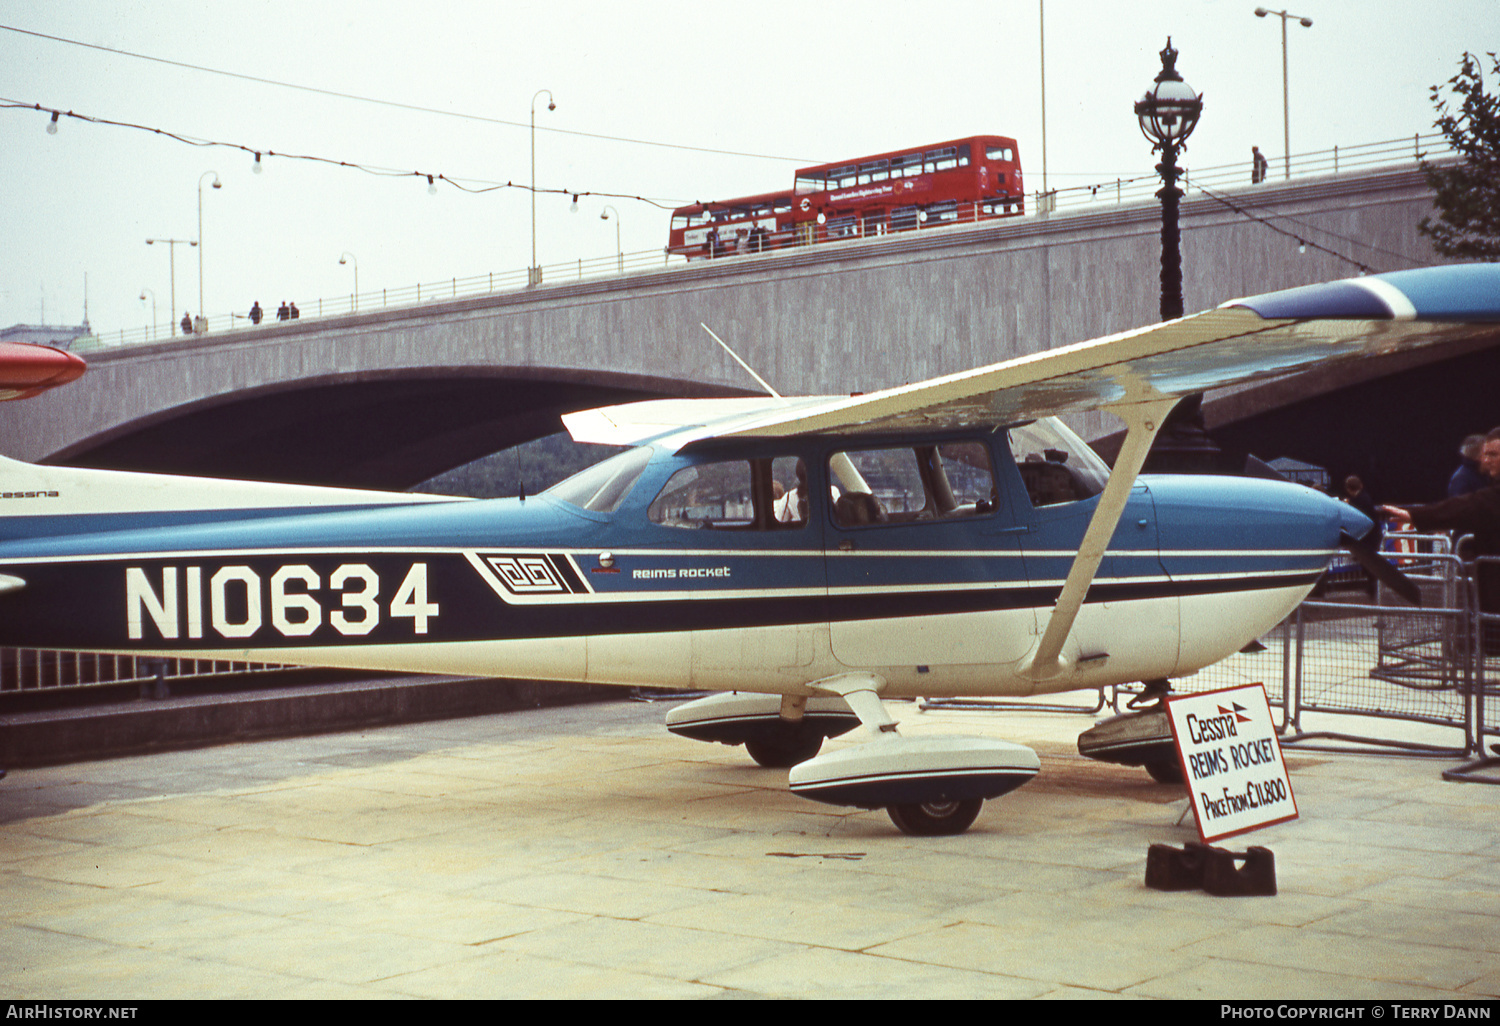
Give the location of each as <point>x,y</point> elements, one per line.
<point>1231,761</point>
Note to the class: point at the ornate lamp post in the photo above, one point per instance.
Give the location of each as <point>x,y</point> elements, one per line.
<point>1168,113</point>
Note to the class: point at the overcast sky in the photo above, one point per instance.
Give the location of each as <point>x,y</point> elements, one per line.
<point>788,83</point>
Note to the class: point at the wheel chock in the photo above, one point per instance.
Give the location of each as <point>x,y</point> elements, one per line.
<point>1199,866</point>
<point>1168,869</point>
<point>1257,878</point>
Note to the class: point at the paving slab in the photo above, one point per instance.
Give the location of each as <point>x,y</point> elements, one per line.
<point>583,851</point>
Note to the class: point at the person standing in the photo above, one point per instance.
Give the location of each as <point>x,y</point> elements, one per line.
<point>256,313</point>
<point>1468,477</point>
<point>1259,166</point>
<point>1476,513</point>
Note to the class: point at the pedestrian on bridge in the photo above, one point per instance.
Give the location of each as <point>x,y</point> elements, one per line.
<point>256,313</point>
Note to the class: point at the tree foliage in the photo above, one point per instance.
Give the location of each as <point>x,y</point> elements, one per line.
<point>1467,194</point>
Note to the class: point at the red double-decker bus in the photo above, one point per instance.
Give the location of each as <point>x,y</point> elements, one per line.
<point>954,182</point>
<point>752,224</point>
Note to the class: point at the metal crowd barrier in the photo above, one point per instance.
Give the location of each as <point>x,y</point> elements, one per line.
<point>1485,685</point>
<point>33,670</point>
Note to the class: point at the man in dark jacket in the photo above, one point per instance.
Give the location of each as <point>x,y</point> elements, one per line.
<point>1468,477</point>
<point>1477,513</point>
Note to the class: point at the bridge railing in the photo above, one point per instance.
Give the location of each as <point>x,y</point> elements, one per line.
<point>1338,160</point>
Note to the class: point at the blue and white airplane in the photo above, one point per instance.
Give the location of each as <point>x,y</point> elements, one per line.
<point>807,557</point>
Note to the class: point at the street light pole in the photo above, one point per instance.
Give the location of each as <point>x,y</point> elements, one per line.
<point>153,309</point>
<point>535,276</point>
<point>1168,113</point>
<point>351,259</point>
<point>1286,106</point>
<point>217,185</point>
<point>619,249</point>
<point>172,245</point>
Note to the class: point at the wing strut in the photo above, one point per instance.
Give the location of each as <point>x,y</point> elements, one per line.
<point>1143,421</point>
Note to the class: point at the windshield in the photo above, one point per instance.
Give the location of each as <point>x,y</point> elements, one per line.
<point>1049,440</point>
<point>602,487</point>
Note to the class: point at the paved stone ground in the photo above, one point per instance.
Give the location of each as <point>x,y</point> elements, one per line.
<point>584,852</point>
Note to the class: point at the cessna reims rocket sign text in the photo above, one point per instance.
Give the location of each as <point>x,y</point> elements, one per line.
<point>1231,761</point>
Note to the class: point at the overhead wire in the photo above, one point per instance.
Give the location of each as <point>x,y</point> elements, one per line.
<point>480,186</point>
<point>1408,259</point>
<point>1219,197</point>
<point>401,106</point>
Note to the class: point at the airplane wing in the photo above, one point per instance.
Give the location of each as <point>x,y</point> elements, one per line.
<point>1241,341</point>
<point>27,369</point>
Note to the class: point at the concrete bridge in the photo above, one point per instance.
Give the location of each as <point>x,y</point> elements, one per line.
<point>391,397</point>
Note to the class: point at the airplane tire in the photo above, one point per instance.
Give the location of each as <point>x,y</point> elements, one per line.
<point>1165,771</point>
<point>935,819</point>
<point>785,750</point>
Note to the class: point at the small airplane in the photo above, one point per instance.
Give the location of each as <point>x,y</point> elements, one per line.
<point>807,558</point>
<point>28,369</point>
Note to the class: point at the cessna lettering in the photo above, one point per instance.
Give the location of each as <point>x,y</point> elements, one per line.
<point>235,599</point>
<point>1214,729</point>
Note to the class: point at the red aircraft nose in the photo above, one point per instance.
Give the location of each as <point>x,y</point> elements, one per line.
<point>27,370</point>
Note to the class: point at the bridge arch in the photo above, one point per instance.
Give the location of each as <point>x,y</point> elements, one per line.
<point>388,397</point>
<point>372,429</point>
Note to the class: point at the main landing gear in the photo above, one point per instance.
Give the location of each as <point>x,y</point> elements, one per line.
<point>1141,737</point>
<point>929,786</point>
<point>935,819</point>
<point>755,721</point>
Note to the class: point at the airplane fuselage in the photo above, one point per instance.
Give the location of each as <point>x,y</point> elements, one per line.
<point>689,569</point>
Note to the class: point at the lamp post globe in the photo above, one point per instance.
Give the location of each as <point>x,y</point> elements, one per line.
<point>1168,114</point>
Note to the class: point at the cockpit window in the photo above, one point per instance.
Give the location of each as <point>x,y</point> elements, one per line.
<point>1056,465</point>
<point>925,482</point>
<point>760,495</point>
<point>602,487</point>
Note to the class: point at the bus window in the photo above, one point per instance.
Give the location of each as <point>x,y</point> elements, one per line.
<point>903,219</point>
<point>906,165</point>
<point>999,153</point>
<point>963,155</point>
<point>940,159</point>
<point>942,213</point>
<point>843,227</point>
<point>874,171</point>
<point>843,177</point>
